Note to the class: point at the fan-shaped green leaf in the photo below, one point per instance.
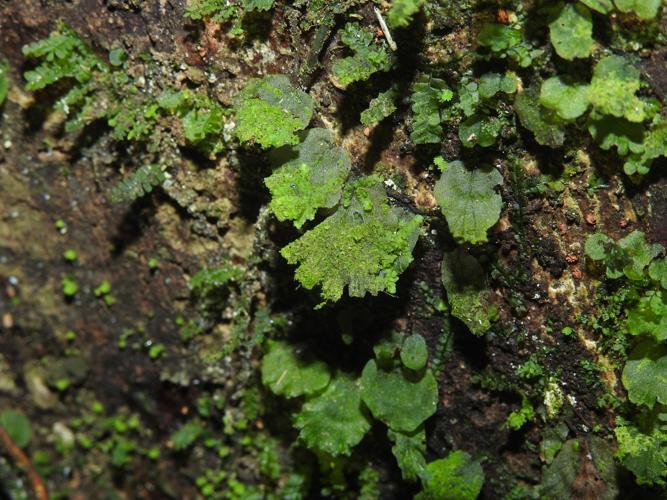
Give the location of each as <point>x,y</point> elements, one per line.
<point>334,421</point>
<point>365,245</point>
<point>312,180</point>
<point>469,200</point>
<point>400,399</point>
<point>270,111</point>
<point>572,32</point>
<point>613,86</point>
<point>17,425</point>
<point>414,353</point>
<point>287,373</point>
<point>569,101</point>
<point>543,123</point>
<point>645,374</point>
<point>649,316</point>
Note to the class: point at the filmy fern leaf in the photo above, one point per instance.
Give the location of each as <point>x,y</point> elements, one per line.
<point>138,183</point>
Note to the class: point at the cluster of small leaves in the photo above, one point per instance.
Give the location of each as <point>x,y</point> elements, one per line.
<point>101,90</point>
<point>63,55</point>
<point>611,92</point>
<point>469,200</point>
<point>399,391</point>
<point>617,114</point>
<point>627,257</point>
<point>364,245</point>
<point>220,11</point>
<point>518,418</point>
<point>640,146</point>
<point>402,392</point>
<point>201,117</point>
<point>642,443</point>
<point>478,103</point>
<point>506,42</point>
<point>332,418</point>
<point>433,104</point>
<point>134,116</point>
<point>269,112</point>
<point>368,57</point>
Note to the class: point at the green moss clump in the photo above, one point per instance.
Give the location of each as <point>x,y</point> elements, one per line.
<point>364,246</point>
<point>313,180</point>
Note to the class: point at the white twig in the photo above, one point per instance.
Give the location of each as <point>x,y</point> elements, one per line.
<point>385,29</point>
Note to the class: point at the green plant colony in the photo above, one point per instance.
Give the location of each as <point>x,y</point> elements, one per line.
<point>353,239</point>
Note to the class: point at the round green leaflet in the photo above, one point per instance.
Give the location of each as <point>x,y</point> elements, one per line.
<point>399,398</point>
<point>414,353</point>
<point>287,374</point>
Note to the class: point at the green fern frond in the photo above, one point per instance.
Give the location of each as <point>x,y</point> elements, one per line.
<point>138,183</point>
